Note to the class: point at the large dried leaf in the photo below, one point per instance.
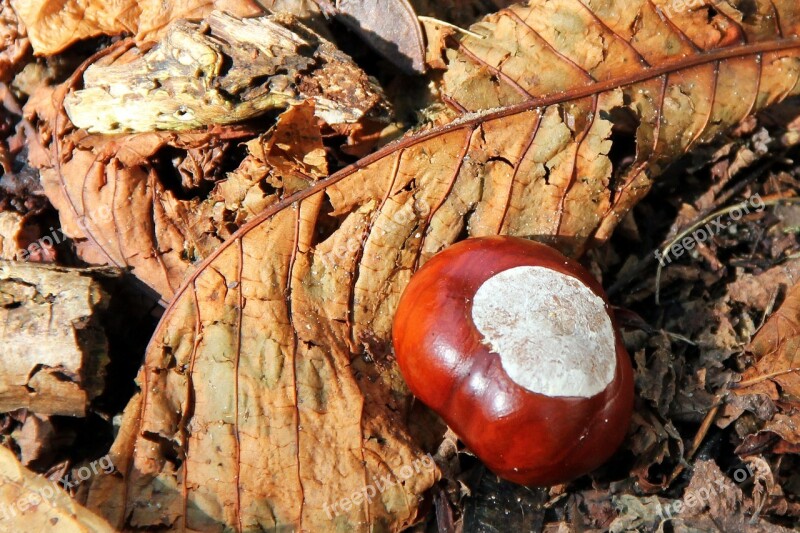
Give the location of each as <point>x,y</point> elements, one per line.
<point>53,25</point>
<point>621,91</point>
<point>277,346</point>
<point>256,410</point>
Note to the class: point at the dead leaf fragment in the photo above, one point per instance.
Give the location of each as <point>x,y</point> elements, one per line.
<point>775,349</point>
<point>288,158</point>
<point>770,388</point>
<point>53,25</point>
<point>389,26</point>
<point>113,203</point>
<point>14,44</point>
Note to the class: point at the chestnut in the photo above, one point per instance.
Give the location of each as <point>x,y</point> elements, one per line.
<point>514,346</point>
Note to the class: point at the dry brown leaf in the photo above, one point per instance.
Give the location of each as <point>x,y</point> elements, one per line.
<point>35,438</point>
<point>614,75</point>
<point>655,443</point>
<point>14,44</point>
<point>776,350</point>
<point>116,208</point>
<point>29,502</point>
<point>714,502</point>
<point>53,25</point>
<point>759,290</point>
<point>256,411</point>
<point>774,378</point>
<point>390,27</point>
<point>288,158</point>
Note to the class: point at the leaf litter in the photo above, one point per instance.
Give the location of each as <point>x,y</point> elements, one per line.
<point>281,281</point>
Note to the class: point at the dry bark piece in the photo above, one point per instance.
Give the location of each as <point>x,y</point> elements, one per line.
<point>53,25</point>
<point>29,502</point>
<point>55,351</point>
<point>225,71</point>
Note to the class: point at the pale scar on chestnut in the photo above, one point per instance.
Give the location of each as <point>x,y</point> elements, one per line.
<point>552,333</point>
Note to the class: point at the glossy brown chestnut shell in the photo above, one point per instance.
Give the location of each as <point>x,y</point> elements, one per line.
<point>522,436</point>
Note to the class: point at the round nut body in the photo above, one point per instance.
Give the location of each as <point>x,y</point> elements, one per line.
<point>523,436</point>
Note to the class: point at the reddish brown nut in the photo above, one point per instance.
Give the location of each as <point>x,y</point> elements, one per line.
<point>514,346</point>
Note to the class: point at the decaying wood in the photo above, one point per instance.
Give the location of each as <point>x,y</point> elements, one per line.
<point>29,502</point>
<point>224,71</point>
<point>54,350</point>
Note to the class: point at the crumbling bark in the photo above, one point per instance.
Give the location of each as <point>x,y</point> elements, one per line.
<point>222,71</point>
<point>54,349</point>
